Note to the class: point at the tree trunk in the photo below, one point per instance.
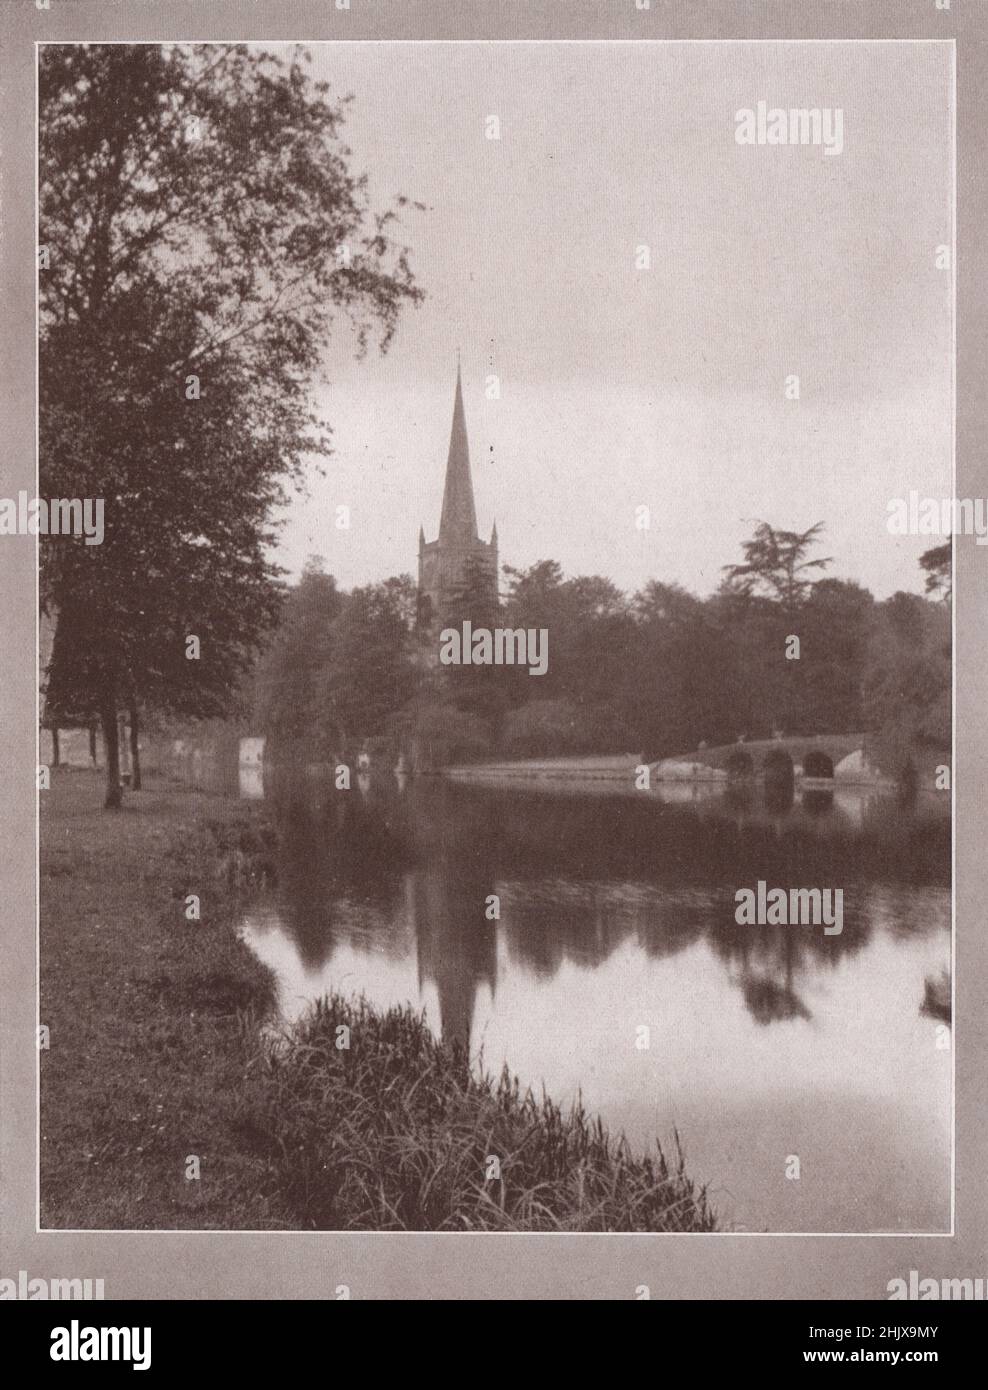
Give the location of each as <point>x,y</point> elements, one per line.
<point>135,756</point>
<point>54,745</point>
<point>111,742</point>
<point>92,744</point>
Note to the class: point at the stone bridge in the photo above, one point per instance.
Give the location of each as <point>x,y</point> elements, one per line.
<point>813,760</point>
<point>815,757</point>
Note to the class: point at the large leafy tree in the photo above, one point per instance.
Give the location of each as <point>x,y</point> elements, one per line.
<point>371,675</point>
<point>337,667</point>
<point>773,583</point>
<point>679,690</point>
<point>907,681</point>
<point>836,624</point>
<point>776,564</point>
<point>202,228</point>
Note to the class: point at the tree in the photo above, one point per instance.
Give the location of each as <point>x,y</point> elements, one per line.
<point>937,565</point>
<point>591,646</point>
<point>291,673</point>
<point>205,229</point>
<point>370,676</point>
<point>680,688</point>
<point>338,666</point>
<point>534,595</point>
<point>907,683</point>
<point>773,579</point>
<point>835,624</point>
<point>590,629</point>
<point>775,564</point>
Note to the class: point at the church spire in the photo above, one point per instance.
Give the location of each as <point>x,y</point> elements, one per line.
<point>459,516</point>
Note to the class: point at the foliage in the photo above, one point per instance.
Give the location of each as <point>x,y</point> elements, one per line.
<point>291,671</point>
<point>370,674</point>
<point>396,1134</point>
<point>936,564</point>
<point>775,563</point>
<point>338,667</point>
<point>659,671</point>
<point>907,678</point>
<point>204,229</point>
<point>545,728</point>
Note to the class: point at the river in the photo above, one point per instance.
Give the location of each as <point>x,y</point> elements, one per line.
<point>616,970</point>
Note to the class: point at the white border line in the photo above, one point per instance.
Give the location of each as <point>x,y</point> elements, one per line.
<point>481,1235</point>
<point>37,642</point>
<point>953,653</point>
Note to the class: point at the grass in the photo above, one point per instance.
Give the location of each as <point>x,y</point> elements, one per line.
<point>153,1018</point>
<point>396,1132</point>
<point>157,1053</point>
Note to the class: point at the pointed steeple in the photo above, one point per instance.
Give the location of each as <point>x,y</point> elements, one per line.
<point>458,523</point>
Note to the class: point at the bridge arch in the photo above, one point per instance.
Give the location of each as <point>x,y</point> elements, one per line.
<point>818,764</point>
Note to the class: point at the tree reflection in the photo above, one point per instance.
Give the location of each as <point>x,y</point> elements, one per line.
<point>579,876</point>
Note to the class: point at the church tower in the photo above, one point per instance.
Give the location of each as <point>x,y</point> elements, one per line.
<point>446,562</point>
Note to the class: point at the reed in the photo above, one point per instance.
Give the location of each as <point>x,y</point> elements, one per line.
<point>398,1132</point>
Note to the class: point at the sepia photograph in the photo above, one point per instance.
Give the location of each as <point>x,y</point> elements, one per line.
<point>496,708</point>
<point>493,525</point>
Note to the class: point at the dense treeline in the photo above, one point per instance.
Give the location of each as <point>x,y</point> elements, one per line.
<point>655,672</point>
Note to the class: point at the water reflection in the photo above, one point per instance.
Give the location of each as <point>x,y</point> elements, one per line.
<point>250,779</point>
<point>617,913</point>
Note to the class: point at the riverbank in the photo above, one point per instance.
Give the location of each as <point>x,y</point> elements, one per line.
<point>153,1017</point>
<point>157,1068</point>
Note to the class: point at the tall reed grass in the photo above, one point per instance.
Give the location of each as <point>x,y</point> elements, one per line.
<point>398,1132</point>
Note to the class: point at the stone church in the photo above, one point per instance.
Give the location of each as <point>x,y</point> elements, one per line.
<point>445,562</point>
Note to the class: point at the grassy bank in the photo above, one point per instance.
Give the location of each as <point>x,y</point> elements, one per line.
<point>156,1055</point>
<point>152,1017</point>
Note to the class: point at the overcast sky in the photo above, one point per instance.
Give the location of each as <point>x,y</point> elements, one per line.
<point>664,387</point>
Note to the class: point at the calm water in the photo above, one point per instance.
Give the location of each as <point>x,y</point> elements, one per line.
<point>618,912</point>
